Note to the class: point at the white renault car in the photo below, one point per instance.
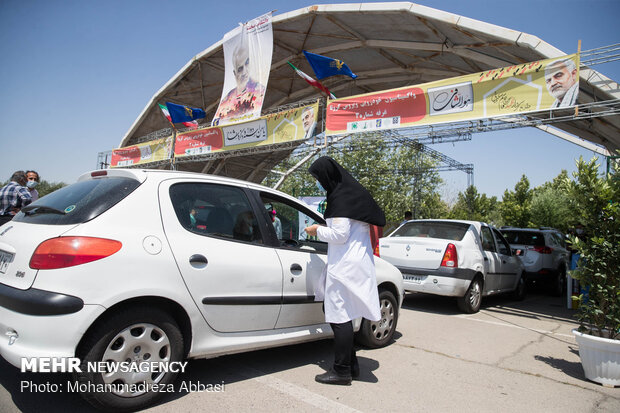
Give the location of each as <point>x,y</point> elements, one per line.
<point>462,259</point>
<point>160,266</point>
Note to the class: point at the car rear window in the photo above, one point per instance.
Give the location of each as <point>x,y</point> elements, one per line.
<point>454,231</point>
<point>524,238</point>
<point>78,202</point>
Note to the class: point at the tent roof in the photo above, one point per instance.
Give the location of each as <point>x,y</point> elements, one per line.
<point>388,45</point>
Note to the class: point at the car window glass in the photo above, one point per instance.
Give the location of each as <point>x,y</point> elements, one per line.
<point>524,238</point>
<point>215,210</point>
<point>79,202</point>
<point>454,231</point>
<point>502,245</point>
<point>486,237</point>
<point>289,220</point>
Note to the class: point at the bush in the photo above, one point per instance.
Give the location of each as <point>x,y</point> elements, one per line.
<point>595,203</point>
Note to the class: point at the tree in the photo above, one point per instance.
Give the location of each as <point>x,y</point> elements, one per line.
<point>471,205</point>
<point>595,203</point>
<point>516,205</point>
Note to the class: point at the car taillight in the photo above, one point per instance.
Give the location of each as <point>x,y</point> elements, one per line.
<point>64,252</point>
<point>543,250</point>
<point>377,250</point>
<point>450,259</point>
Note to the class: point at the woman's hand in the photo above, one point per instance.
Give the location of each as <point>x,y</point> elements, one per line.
<point>311,230</point>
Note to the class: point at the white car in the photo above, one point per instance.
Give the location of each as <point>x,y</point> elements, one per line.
<point>161,266</point>
<point>544,255</point>
<point>463,259</point>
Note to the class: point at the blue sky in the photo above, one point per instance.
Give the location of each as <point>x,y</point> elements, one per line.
<point>76,74</point>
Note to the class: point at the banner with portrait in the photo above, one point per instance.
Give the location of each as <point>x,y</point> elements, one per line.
<point>147,152</point>
<point>247,55</point>
<point>286,126</point>
<point>528,87</point>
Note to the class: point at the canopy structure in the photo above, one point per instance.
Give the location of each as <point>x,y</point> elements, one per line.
<point>388,45</point>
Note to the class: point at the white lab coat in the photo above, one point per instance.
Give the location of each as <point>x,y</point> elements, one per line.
<point>348,285</point>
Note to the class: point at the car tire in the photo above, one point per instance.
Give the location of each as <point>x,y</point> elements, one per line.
<point>136,334</point>
<point>470,302</point>
<point>521,291</point>
<point>376,334</point>
<point>559,282</point>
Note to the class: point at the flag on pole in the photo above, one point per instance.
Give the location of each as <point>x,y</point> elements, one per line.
<point>193,124</point>
<point>324,66</point>
<point>313,82</point>
<point>182,113</point>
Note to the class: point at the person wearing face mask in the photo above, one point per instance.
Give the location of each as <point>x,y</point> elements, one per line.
<point>348,284</point>
<point>14,196</point>
<point>33,181</point>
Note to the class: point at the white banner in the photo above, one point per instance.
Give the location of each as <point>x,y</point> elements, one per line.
<point>247,55</point>
<point>249,132</point>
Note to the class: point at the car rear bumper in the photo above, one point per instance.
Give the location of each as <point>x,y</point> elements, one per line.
<point>547,275</point>
<point>451,282</point>
<point>27,335</point>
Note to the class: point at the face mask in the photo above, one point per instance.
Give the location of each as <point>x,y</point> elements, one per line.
<point>31,184</point>
<point>320,187</point>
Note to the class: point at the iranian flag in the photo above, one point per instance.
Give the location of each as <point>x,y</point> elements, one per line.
<point>312,82</point>
<point>193,124</point>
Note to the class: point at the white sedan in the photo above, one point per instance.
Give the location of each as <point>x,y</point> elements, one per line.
<point>462,259</point>
<point>150,266</point>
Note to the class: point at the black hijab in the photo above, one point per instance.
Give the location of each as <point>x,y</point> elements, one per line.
<point>346,198</point>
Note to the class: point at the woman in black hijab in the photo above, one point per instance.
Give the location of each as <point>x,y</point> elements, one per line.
<point>348,285</point>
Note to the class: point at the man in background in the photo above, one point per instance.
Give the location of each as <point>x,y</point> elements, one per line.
<point>14,196</point>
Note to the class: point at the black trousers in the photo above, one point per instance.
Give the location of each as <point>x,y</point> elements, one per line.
<point>344,352</point>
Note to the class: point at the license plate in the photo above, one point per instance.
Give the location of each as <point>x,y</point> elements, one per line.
<point>416,279</point>
<point>5,259</point>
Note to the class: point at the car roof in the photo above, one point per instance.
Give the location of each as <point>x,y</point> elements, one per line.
<point>163,174</point>
<point>476,224</point>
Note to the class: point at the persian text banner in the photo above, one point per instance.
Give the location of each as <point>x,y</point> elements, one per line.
<point>151,151</point>
<point>527,87</point>
<point>286,126</point>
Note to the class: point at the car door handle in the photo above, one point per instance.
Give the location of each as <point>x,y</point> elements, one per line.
<point>198,261</point>
<point>296,268</point>
<point>486,259</point>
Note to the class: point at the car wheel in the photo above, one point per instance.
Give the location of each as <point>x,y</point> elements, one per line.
<point>470,302</point>
<point>137,335</point>
<point>521,291</point>
<point>375,334</point>
<point>557,287</point>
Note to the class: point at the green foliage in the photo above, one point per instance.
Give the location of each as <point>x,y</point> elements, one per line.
<point>400,179</point>
<point>594,201</point>
<point>471,205</point>
<point>516,205</point>
<point>549,208</point>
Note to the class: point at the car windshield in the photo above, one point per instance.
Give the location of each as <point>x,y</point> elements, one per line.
<point>78,202</point>
<point>454,231</point>
<point>524,238</point>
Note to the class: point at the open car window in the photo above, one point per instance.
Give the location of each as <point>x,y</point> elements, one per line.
<point>289,220</point>
<point>215,210</point>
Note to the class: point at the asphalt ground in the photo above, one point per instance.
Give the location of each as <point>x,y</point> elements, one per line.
<point>510,357</point>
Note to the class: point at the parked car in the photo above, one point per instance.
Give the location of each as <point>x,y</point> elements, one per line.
<point>544,254</point>
<point>462,259</point>
<point>136,265</point>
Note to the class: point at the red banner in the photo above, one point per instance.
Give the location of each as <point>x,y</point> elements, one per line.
<point>199,142</point>
<point>393,107</point>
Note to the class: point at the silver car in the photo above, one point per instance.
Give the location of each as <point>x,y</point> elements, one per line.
<point>544,254</point>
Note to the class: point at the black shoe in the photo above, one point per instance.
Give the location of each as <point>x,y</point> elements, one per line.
<point>331,377</point>
<point>355,371</point>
